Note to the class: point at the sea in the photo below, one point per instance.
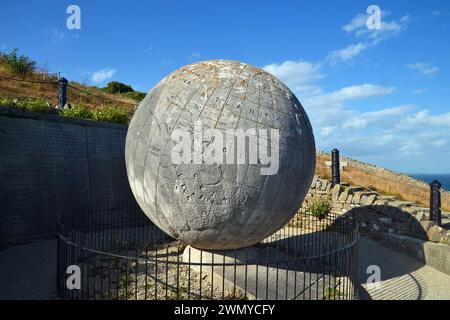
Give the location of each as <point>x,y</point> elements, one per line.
<point>444,179</point>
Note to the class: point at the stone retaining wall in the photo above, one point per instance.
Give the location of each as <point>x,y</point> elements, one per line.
<point>50,164</point>
<point>378,214</point>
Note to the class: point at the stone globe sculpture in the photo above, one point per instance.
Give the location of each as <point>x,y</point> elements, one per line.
<point>220,154</point>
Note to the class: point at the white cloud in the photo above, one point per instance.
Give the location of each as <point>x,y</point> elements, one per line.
<point>300,76</point>
<point>358,22</point>
<point>102,75</point>
<point>423,119</point>
<point>347,53</point>
<point>423,68</point>
<point>382,116</point>
<point>372,37</point>
<point>420,91</point>
<point>356,92</point>
<point>388,28</point>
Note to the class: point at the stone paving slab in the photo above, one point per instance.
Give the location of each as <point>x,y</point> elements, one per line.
<point>402,277</point>
<point>28,271</point>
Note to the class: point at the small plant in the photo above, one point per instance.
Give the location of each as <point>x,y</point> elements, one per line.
<point>35,105</point>
<point>18,65</point>
<point>77,111</point>
<point>7,102</point>
<point>111,114</point>
<point>320,207</point>
<point>332,294</point>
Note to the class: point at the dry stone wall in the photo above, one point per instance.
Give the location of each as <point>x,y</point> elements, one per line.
<point>377,214</point>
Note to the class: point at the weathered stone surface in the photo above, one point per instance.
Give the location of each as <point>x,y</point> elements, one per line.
<point>357,197</point>
<point>335,192</point>
<point>219,206</point>
<point>446,238</point>
<point>363,199</point>
<point>426,225</point>
<point>370,200</point>
<point>318,184</point>
<point>349,199</point>
<point>314,182</point>
<point>421,216</point>
<point>435,233</point>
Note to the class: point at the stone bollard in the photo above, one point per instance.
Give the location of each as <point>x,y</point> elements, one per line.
<point>62,94</point>
<point>335,173</point>
<point>435,202</point>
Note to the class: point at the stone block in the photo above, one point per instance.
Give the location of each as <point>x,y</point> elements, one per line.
<point>357,197</point>
<point>426,225</point>
<point>363,199</point>
<point>435,233</point>
<point>446,238</point>
<point>421,216</point>
<point>349,199</point>
<point>314,182</point>
<point>370,200</point>
<point>335,192</point>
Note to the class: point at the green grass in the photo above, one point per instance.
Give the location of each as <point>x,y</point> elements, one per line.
<point>104,113</point>
<point>35,105</point>
<point>332,294</point>
<point>320,207</point>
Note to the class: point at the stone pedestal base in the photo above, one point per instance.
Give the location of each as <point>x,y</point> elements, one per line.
<point>219,257</point>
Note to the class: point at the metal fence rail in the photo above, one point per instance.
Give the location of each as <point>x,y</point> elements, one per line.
<point>122,255</point>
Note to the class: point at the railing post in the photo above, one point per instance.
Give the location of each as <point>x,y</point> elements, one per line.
<point>62,94</point>
<point>435,202</point>
<point>335,167</point>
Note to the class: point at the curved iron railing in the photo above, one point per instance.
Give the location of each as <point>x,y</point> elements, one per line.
<point>115,252</point>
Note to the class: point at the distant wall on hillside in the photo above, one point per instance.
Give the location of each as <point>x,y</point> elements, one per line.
<point>50,164</point>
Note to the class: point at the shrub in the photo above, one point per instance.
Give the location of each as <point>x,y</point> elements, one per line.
<point>117,87</point>
<point>7,102</point>
<point>320,207</point>
<point>135,95</point>
<point>18,65</point>
<point>35,105</point>
<point>111,114</point>
<point>77,111</point>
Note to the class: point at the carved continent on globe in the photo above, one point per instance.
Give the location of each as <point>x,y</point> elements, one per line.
<point>220,205</point>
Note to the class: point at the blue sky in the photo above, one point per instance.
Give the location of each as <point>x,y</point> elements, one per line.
<point>381,96</point>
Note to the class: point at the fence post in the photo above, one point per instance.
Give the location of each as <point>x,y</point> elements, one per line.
<point>435,202</point>
<point>62,94</point>
<point>335,173</point>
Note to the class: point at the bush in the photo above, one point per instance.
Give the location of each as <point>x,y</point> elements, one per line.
<point>7,102</point>
<point>117,87</point>
<point>320,207</point>
<point>35,105</point>
<point>18,65</point>
<point>111,114</point>
<point>77,111</point>
<point>135,95</point>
